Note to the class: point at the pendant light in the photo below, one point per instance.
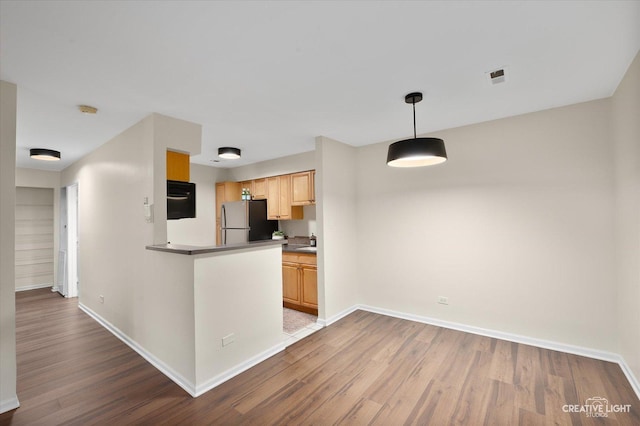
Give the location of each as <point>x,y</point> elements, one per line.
<point>229,153</point>
<point>416,152</point>
<point>44,154</point>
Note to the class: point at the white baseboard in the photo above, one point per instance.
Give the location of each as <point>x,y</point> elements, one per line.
<point>576,350</point>
<point>540,343</point>
<point>33,287</point>
<point>161,366</point>
<point>185,384</point>
<point>234,371</point>
<point>633,380</point>
<point>9,404</point>
<point>337,316</point>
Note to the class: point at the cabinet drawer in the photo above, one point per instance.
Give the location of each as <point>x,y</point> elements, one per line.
<point>306,258</point>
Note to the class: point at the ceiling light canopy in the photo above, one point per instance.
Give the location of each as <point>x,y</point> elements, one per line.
<point>416,152</point>
<point>44,154</point>
<point>86,109</point>
<point>229,153</point>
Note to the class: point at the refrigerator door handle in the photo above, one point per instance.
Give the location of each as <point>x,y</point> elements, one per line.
<point>224,225</point>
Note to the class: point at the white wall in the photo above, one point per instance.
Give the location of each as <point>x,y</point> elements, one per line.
<point>304,227</point>
<point>112,183</point>
<point>147,298</point>
<point>626,132</point>
<point>338,236</point>
<point>516,229</point>
<point>201,230</point>
<point>237,293</point>
<point>177,135</point>
<point>278,166</point>
<point>8,396</point>
<point>33,178</point>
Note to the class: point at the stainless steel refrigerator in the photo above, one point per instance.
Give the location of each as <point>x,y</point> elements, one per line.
<point>244,221</point>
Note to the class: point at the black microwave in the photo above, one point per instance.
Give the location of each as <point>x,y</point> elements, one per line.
<point>181,199</point>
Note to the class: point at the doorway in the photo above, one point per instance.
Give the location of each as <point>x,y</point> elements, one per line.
<point>34,238</point>
<point>68,277</point>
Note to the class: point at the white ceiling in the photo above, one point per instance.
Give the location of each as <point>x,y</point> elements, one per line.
<point>268,77</point>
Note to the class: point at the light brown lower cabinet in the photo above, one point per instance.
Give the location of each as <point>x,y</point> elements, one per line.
<point>300,282</point>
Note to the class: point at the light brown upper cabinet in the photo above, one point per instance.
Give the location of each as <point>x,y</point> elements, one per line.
<point>259,191</point>
<point>178,166</point>
<point>225,191</point>
<point>303,188</point>
<point>279,199</point>
<point>248,184</point>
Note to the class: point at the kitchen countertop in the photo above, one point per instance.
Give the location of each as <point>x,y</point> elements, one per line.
<point>193,250</point>
<point>299,248</point>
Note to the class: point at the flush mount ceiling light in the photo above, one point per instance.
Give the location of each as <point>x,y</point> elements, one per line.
<point>416,152</point>
<point>228,153</point>
<point>44,154</point>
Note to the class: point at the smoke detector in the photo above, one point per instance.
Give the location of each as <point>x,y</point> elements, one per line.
<point>86,109</point>
<point>497,76</point>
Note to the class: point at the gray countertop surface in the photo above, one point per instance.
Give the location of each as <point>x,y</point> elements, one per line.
<point>299,248</point>
<point>193,250</point>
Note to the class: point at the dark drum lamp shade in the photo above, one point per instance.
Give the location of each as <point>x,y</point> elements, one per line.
<point>416,152</point>
<point>229,153</point>
<point>44,154</point>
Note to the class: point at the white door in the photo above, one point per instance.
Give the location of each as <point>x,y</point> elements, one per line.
<point>71,285</point>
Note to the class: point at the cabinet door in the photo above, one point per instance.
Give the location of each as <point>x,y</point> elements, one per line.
<point>232,191</point>
<point>301,189</point>
<point>309,286</point>
<point>248,184</point>
<point>219,198</point>
<point>218,232</point>
<point>273,197</point>
<point>279,199</point>
<point>178,167</point>
<point>259,189</point>
<point>313,186</point>
<point>290,284</point>
<point>284,197</point>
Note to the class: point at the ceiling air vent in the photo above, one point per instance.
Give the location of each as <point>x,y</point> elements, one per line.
<point>497,76</point>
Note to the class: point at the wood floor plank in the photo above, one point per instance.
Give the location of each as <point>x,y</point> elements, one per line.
<point>364,369</point>
<point>283,379</point>
<point>362,413</point>
<point>343,399</point>
<point>554,397</point>
<point>504,361</point>
<point>528,380</point>
<point>473,401</point>
<point>503,410</point>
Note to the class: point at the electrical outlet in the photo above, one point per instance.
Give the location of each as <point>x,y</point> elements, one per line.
<point>227,340</point>
<point>101,299</point>
<point>443,300</point>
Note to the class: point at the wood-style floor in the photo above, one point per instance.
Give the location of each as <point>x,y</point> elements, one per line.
<point>364,369</point>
